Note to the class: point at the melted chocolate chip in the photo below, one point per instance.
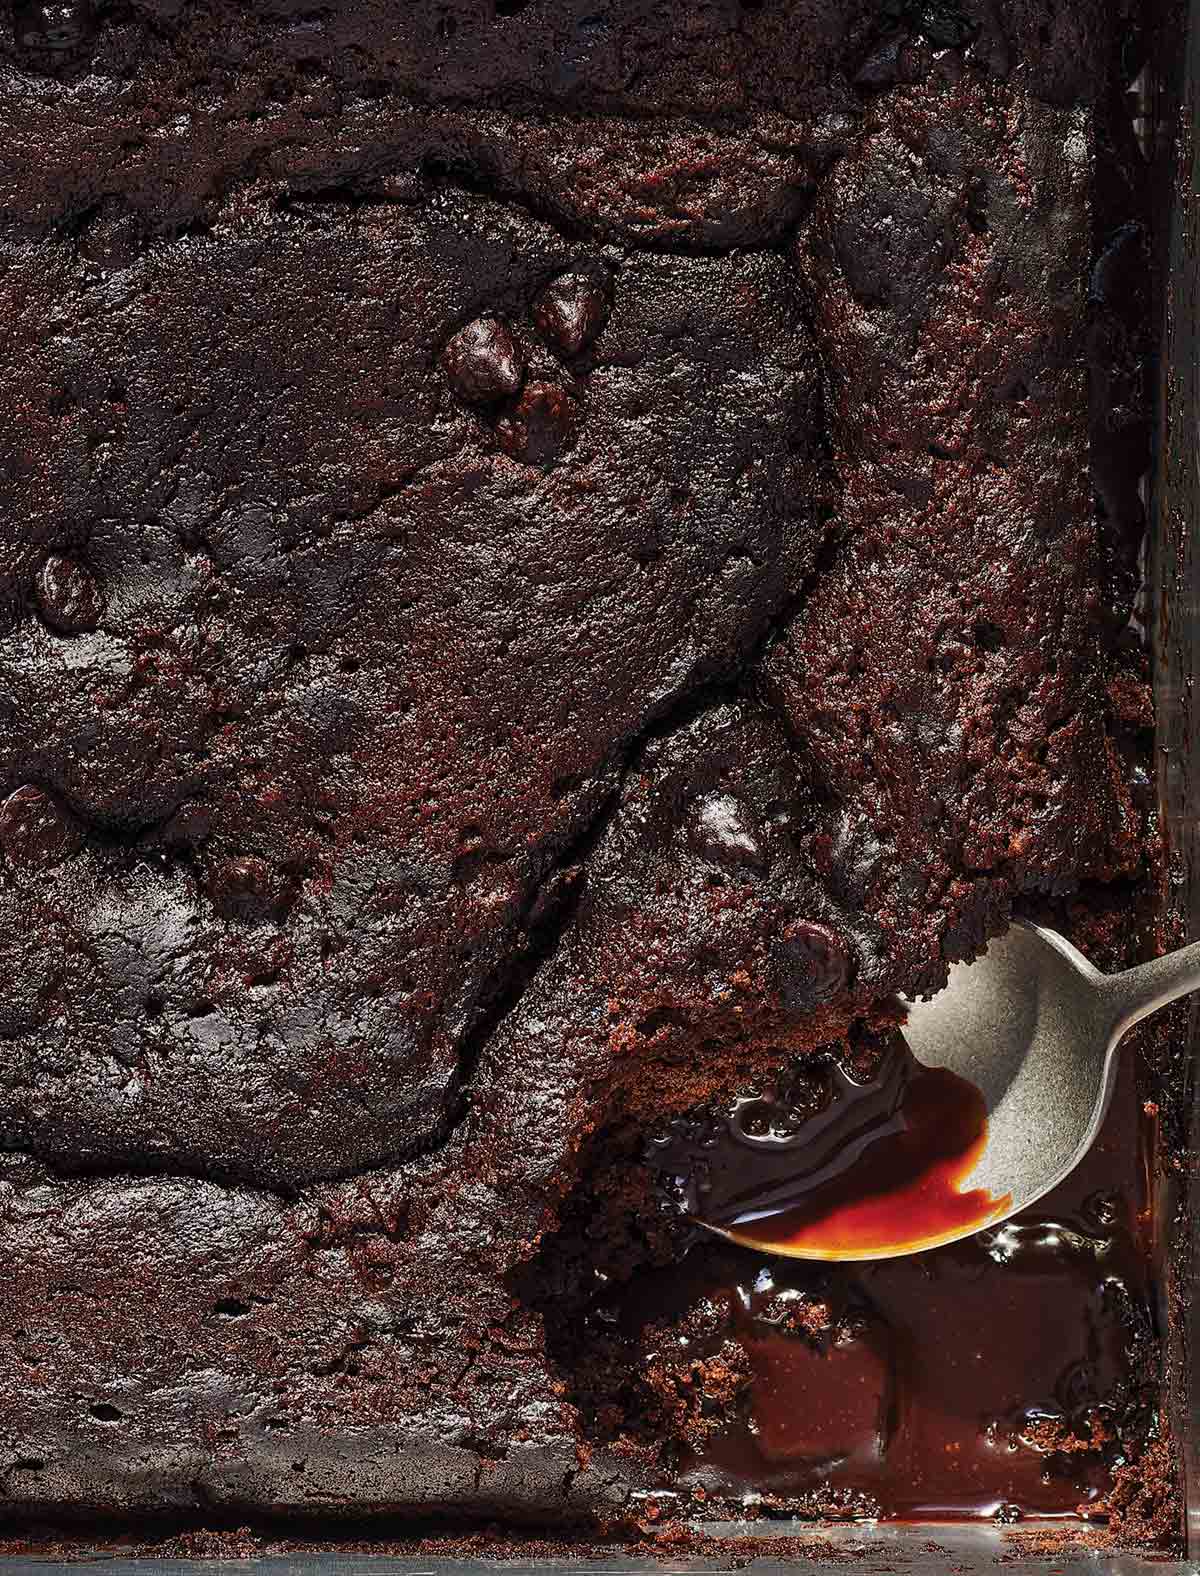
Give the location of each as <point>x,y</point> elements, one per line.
<point>943,23</point>
<point>35,831</point>
<point>541,424</point>
<point>67,596</point>
<point>570,312</point>
<point>483,362</point>
<point>815,964</point>
<point>243,888</point>
<point>55,27</point>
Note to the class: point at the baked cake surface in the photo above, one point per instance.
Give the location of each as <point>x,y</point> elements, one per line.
<point>553,556</point>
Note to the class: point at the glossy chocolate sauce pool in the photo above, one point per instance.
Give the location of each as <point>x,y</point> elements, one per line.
<point>969,1380</point>
<point>880,1168</point>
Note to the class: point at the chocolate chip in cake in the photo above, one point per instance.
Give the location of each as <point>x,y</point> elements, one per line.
<point>34,831</point>
<point>58,27</point>
<point>484,362</point>
<point>571,311</point>
<point>945,24</point>
<point>67,596</point>
<point>540,425</point>
<point>243,888</point>
<point>815,964</point>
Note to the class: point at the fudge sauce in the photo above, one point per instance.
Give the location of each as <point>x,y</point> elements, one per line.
<point>555,557</point>
<point>982,1379</point>
<point>879,1170</point>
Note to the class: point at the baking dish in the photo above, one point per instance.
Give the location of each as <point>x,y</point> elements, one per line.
<point>1173,607</point>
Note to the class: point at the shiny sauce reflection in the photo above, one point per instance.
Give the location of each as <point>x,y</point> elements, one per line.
<point>931,1388</point>
<point>879,1170</point>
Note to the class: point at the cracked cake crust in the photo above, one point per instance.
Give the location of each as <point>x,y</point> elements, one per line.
<point>549,567</point>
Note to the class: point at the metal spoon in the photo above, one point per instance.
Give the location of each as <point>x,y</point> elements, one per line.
<point>1035,1028</point>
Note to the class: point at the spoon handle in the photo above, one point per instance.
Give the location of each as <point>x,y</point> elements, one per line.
<point>1136,993</point>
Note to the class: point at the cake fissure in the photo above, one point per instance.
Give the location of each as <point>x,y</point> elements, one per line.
<point>553,559</point>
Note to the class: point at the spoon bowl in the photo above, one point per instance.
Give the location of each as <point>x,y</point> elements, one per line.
<point>1035,1028</point>
<point>1031,1026</point>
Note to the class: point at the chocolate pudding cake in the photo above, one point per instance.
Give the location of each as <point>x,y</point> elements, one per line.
<point>556,557</point>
